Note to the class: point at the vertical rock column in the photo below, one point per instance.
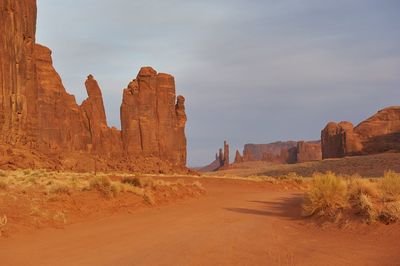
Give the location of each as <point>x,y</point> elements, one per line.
<point>153,119</point>
<point>18,92</point>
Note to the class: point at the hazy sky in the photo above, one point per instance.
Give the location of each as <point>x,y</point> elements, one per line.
<point>252,71</point>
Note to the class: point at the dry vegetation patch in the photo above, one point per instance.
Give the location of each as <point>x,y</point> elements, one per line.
<point>34,198</point>
<point>343,197</point>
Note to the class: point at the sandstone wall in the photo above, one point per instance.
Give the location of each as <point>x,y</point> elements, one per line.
<point>37,115</point>
<point>17,70</point>
<point>379,133</point>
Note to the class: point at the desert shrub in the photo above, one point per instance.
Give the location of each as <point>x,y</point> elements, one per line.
<point>292,176</point>
<point>133,181</point>
<point>390,186</point>
<point>3,173</point>
<point>358,187</point>
<point>103,185</point>
<point>366,207</point>
<point>390,213</point>
<point>144,182</point>
<point>325,196</point>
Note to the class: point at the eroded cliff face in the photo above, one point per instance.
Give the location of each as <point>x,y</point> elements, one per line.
<point>308,151</point>
<point>152,117</point>
<point>277,152</point>
<point>39,116</point>
<point>17,70</point>
<point>379,133</point>
<point>282,152</point>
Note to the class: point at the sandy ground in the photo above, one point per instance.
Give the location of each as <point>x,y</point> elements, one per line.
<point>235,223</point>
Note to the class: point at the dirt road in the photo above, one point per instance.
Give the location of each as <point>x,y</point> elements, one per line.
<point>235,223</point>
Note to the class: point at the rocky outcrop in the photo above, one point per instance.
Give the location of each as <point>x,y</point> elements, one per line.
<point>238,157</point>
<point>221,160</point>
<point>152,119</point>
<point>283,152</point>
<point>38,115</point>
<point>225,161</point>
<point>308,151</point>
<point>271,152</point>
<point>379,133</point>
<point>17,71</point>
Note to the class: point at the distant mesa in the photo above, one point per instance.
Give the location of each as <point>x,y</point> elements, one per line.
<point>281,152</point>
<point>42,126</point>
<point>378,134</point>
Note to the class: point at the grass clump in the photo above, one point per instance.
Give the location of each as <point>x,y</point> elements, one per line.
<point>390,213</point>
<point>326,196</point>
<point>390,186</point>
<point>133,181</point>
<point>104,186</point>
<point>366,208</point>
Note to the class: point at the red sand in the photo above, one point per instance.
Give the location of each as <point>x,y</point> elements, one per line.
<point>235,223</point>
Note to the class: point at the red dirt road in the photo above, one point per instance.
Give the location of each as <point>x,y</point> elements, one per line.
<point>235,223</point>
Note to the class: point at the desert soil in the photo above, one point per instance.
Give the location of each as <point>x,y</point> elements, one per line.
<point>235,223</point>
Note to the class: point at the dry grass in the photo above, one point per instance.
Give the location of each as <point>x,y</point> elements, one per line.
<point>358,186</point>
<point>370,199</point>
<point>390,186</point>
<point>104,186</point>
<point>326,196</point>
<point>390,213</point>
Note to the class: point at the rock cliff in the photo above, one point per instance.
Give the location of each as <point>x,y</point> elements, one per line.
<point>379,133</point>
<point>42,123</point>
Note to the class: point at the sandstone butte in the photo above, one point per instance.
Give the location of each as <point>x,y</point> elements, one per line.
<point>282,152</point>
<point>42,126</point>
<point>379,133</point>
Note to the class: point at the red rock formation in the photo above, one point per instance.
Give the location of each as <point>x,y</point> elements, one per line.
<point>283,152</point>
<point>226,155</point>
<point>308,151</point>
<point>377,134</point>
<point>17,70</point>
<point>37,114</point>
<point>238,157</point>
<point>152,119</point>
<point>273,152</point>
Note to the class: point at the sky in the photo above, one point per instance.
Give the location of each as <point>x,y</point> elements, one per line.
<point>252,71</point>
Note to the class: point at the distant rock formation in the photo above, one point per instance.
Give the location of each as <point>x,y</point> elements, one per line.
<point>225,161</point>
<point>308,151</point>
<point>238,157</point>
<point>272,152</point>
<point>277,152</point>
<point>379,133</point>
<point>41,121</point>
<point>283,152</point>
<point>221,160</point>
